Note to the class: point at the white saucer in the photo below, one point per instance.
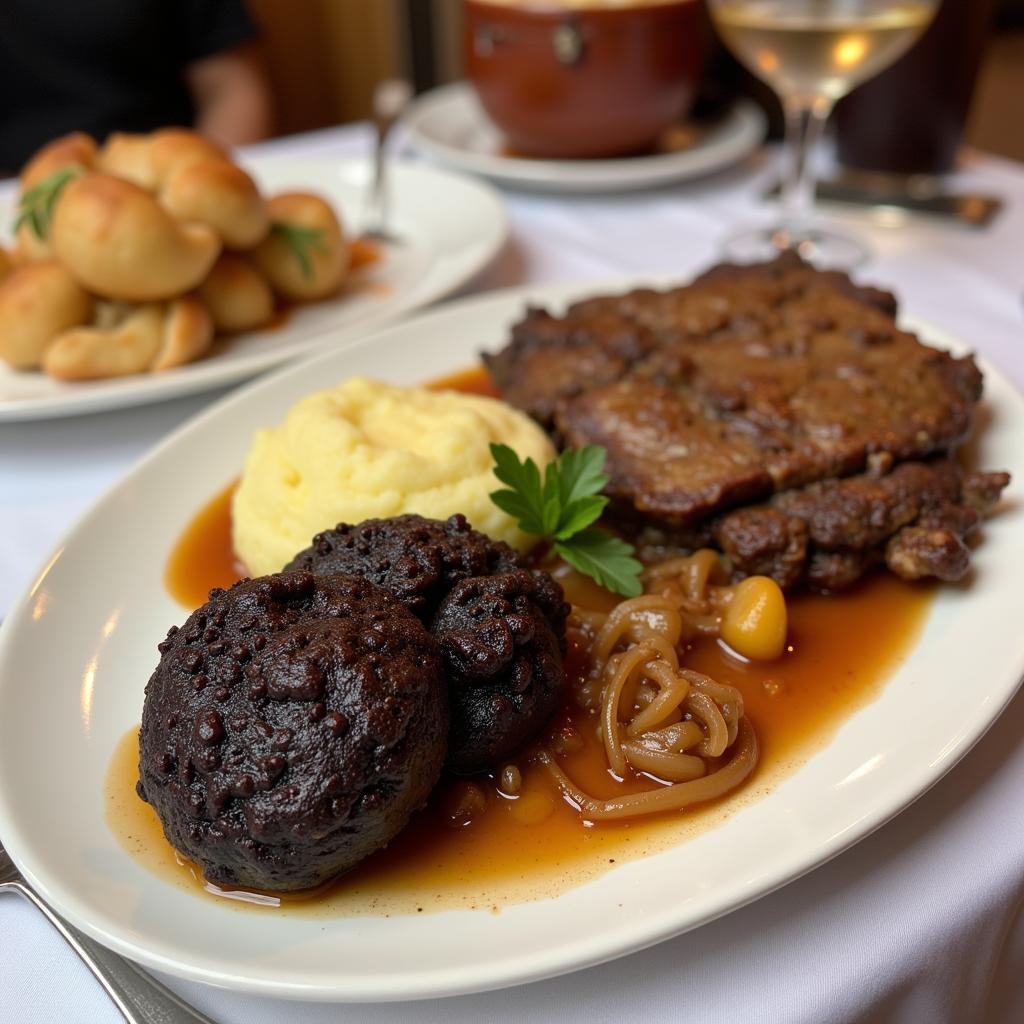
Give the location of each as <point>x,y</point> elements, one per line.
<point>449,125</point>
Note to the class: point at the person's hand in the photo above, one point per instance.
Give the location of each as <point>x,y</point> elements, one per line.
<point>231,92</point>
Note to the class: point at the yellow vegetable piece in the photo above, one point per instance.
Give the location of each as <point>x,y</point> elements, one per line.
<point>755,621</point>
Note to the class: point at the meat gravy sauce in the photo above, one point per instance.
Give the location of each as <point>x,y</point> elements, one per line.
<point>475,846</point>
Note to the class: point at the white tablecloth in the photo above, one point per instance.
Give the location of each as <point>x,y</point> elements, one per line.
<point>920,922</point>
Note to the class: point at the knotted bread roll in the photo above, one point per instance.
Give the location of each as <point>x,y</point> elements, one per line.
<point>187,333</point>
<point>328,255</point>
<point>148,160</point>
<point>74,150</point>
<point>126,340</point>
<point>171,148</point>
<point>237,295</point>
<point>38,302</point>
<point>120,243</point>
<point>220,195</point>
<point>193,178</point>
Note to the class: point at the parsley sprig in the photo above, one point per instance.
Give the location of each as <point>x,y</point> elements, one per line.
<point>35,207</point>
<point>301,241</point>
<point>562,506</point>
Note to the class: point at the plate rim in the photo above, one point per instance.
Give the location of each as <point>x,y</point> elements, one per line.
<point>435,983</point>
<point>200,376</point>
<point>617,174</point>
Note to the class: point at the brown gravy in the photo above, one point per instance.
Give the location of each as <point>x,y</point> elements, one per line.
<point>535,845</point>
<point>364,253</point>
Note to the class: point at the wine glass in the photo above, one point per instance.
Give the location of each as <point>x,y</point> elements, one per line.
<point>812,53</point>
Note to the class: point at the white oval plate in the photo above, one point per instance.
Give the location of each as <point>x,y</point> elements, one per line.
<point>449,125</point>
<point>77,651</point>
<point>451,225</point>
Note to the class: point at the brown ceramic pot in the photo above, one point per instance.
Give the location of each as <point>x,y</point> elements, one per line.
<point>583,79</point>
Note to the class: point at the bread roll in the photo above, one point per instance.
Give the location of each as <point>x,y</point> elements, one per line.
<point>220,195</point>
<point>328,258</point>
<point>173,148</point>
<point>30,248</point>
<point>127,155</point>
<point>91,353</point>
<point>67,151</point>
<point>118,241</point>
<point>37,303</point>
<point>237,295</point>
<point>148,160</point>
<point>6,263</point>
<point>187,333</point>
<point>76,148</point>
<point>126,339</point>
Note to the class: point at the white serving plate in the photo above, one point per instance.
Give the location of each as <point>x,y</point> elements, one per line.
<point>451,226</point>
<point>449,125</point>
<point>76,652</point>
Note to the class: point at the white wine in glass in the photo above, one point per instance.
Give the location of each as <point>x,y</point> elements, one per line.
<point>812,53</point>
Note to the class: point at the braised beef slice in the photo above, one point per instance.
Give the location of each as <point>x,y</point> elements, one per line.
<point>749,381</point>
<point>916,518</point>
<point>772,410</point>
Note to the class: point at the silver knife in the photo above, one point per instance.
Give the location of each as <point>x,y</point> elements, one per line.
<point>885,194</point>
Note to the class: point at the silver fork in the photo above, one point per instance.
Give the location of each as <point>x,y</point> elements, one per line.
<point>390,98</point>
<point>140,998</point>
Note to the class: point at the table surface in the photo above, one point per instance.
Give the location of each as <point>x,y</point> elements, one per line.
<point>922,921</point>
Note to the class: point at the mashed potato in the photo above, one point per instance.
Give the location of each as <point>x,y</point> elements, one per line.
<point>365,450</point>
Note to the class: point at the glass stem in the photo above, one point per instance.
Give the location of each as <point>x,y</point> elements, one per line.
<point>805,121</point>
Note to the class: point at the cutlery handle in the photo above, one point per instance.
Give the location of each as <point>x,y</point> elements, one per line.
<point>390,98</point>
<point>140,997</point>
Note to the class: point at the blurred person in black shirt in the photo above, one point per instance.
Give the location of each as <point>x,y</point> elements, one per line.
<point>129,65</point>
